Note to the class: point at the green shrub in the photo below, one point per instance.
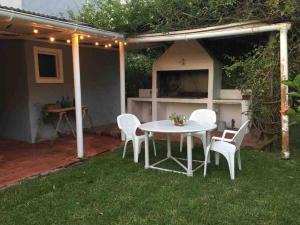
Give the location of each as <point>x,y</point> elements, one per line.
<point>294,110</point>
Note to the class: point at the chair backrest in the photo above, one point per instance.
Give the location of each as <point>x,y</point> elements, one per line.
<point>128,123</point>
<point>204,116</point>
<point>239,136</point>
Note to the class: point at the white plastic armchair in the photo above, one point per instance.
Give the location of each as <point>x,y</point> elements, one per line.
<point>128,124</point>
<point>201,116</point>
<point>228,147</point>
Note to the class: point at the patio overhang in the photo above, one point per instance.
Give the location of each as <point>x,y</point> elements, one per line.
<point>228,30</point>
<point>23,25</point>
<point>16,23</point>
<point>233,30</point>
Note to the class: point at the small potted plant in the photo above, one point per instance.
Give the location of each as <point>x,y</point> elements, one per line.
<point>178,120</point>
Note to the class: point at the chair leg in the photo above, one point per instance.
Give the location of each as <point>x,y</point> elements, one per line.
<point>181,142</point>
<point>125,146</point>
<point>154,146</point>
<point>208,158</point>
<point>206,155</point>
<point>136,151</point>
<point>217,158</point>
<point>230,160</point>
<point>204,143</point>
<point>238,156</point>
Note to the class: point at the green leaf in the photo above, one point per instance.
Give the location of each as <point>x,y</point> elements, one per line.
<point>291,112</point>
<point>289,83</point>
<point>297,81</point>
<point>294,94</point>
<point>295,122</point>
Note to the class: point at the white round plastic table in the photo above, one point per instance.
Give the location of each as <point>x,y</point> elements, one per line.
<point>167,127</point>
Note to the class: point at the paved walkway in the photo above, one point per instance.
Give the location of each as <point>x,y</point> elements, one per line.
<point>20,160</point>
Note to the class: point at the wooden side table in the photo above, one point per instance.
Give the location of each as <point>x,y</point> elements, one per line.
<point>63,115</point>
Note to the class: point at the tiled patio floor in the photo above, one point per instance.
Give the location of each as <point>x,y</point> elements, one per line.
<point>19,160</point>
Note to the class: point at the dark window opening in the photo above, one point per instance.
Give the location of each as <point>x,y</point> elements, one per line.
<point>47,65</point>
<point>183,84</point>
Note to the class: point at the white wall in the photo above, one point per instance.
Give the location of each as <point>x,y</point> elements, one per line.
<point>14,110</point>
<point>228,112</point>
<point>22,98</point>
<point>12,3</point>
<point>183,109</point>
<point>184,55</point>
<point>48,7</point>
<point>99,81</point>
<point>53,7</point>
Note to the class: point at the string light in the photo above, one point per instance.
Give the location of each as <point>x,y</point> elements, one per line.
<point>97,43</point>
<point>125,43</point>
<point>88,36</point>
<point>116,41</point>
<point>106,46</point>
<point>35,31</point>
<point>81,37</point>
<point>68,41</point>
<point>52,39</point>
<point>109,45</point>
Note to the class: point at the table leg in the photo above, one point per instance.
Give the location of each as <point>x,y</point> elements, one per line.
<point>169,154</point>
<point>55,133</point>
<point>146,150</point>
<point>208,138</point>
<point>85,113</point>
<point>91,122</point>
<point>70,125</point>
<point>189,155</point>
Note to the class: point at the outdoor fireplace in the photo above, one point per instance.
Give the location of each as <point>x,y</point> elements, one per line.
<point>182,84</point>
<point>186,78</point>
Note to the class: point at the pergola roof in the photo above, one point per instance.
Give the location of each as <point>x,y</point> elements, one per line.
<point>35,13</point>
<point>232,29</point>
<point>19,24</point>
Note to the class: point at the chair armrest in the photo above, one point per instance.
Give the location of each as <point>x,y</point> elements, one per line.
<point>221,139</point>
<point>228,132</point>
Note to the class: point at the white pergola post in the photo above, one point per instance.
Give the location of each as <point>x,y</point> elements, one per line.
<point>284,91</point>
<point>122,79</point>
<point>77,90</point>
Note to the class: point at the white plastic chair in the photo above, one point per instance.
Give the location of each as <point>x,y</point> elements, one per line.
<point>229,148</point>
<point>128,124</point>
<point>201,116</point>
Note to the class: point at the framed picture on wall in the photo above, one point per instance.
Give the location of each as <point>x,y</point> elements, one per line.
<point>48,65</point>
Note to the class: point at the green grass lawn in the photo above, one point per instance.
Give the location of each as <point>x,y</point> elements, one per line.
<point>110,190</point>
